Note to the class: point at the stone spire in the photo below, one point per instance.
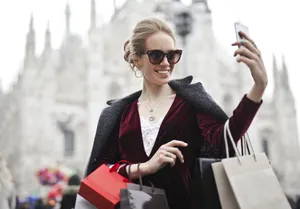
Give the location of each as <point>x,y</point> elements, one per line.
<point>68,15</point>
<point>48,37</point>
<point>93,14</point>
<point>30,42</point>
<point>284,75</point>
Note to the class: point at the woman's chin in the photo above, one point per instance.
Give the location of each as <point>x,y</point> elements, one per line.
<point>163,78</point>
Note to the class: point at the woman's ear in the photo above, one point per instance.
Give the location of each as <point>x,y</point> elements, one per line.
<point>137,62</point>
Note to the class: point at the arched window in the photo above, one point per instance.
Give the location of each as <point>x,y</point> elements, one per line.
<point>68,137</point>
<point>69,143</point>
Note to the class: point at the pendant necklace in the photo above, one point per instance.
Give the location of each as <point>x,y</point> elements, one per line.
<point>152,110</point>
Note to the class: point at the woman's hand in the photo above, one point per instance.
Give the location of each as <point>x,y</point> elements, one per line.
<point>166,154</point>
<point>251,56</point>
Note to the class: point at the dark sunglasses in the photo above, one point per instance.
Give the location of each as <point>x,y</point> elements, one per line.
<point>157,56</point>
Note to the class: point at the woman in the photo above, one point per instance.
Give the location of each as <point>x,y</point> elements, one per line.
<point>69,193</point>
<point>169,123</point>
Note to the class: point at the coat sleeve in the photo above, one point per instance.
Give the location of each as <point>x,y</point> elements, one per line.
<point>212,129</point>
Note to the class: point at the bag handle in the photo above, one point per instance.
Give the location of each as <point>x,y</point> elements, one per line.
<point>226,140</point>
<point>246,139</point>
<point>140,178</point>
<point>244,146</point>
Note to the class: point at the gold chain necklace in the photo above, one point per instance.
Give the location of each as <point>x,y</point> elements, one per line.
<point>152,110</point>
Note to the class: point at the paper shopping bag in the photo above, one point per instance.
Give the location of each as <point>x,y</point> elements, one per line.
<point>102,188</point>
<point>225,193</point>
<point>252,180</point>
<point>138,196</point>
<point>254,183</point>
<point>204,190</point>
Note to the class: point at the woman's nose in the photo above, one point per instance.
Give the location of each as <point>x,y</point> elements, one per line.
<point>165,61</point>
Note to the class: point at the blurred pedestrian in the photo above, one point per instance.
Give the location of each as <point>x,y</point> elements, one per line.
<point>40,204</point>
<point>69,193</point>
<point>7,191</point>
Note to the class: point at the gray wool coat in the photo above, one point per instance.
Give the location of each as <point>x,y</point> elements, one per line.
<point>195,94</point>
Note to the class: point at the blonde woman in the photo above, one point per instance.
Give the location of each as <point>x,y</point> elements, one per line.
<point>169,123</point>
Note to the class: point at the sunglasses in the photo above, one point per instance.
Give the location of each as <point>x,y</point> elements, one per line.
<point>157,56</point>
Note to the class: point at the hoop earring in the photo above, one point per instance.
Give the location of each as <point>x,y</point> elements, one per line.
<point>136,74</point>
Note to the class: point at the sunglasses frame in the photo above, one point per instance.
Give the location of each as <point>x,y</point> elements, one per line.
<point>164,53</point>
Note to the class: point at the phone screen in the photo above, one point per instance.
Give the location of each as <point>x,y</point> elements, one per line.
<point>240,27</point>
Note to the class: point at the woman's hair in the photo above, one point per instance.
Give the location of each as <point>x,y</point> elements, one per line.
<point>142,30</point>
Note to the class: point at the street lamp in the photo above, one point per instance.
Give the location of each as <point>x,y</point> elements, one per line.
<point>183,25</point>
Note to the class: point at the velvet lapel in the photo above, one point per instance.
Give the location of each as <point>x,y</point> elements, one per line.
<point>196,95</point>
<point>106,123</point>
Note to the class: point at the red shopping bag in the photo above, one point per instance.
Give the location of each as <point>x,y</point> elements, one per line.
<point>102,187</point>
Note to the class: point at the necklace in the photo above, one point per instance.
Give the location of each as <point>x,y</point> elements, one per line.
<point>153,109</point>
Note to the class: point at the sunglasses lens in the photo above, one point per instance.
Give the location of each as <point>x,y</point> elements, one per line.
<point>156,56</point>
<point>173,56</point>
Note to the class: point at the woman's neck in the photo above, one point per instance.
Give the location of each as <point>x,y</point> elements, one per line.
<point>153,93</point>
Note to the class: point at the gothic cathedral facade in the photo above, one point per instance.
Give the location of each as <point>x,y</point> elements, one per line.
<point>50,114</point>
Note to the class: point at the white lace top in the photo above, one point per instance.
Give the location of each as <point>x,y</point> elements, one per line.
<point>149,133</point>
<point>149,128</point>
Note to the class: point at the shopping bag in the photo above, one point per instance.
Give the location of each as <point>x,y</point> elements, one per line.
<point>204,191</point>
<point>252,179</point>
<point>138,196</point>
<point>102,187</point>
<point>225,192</point>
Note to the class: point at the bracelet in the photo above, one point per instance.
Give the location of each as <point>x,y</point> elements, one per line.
<point>129,172</point>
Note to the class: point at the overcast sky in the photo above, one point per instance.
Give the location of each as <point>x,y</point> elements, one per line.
<point>273,24</point>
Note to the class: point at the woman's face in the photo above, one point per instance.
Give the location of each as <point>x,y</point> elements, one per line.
<point>157,74</point>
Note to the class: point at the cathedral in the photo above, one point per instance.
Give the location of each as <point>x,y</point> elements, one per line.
<point>49,116</point>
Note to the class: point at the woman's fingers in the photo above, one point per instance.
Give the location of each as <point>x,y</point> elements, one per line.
<point>248,45</point>
<point>166,157</point>
<point>169,152</point>
<point>246,53</point>
<point>249,62</point>
<point>176,143</point>
<point>175,152</point>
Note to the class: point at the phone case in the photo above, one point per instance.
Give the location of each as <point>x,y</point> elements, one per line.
<point>240,27</point>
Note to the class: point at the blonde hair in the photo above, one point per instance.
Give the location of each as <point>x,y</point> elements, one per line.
<point>142,30</point>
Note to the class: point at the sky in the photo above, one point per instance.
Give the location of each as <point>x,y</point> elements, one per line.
<point>273,25</point>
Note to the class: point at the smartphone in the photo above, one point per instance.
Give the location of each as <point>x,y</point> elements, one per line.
<point>240,27</point>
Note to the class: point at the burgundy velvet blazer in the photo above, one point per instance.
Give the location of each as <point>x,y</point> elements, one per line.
<point>193,117</point>
<point>182,122</point>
